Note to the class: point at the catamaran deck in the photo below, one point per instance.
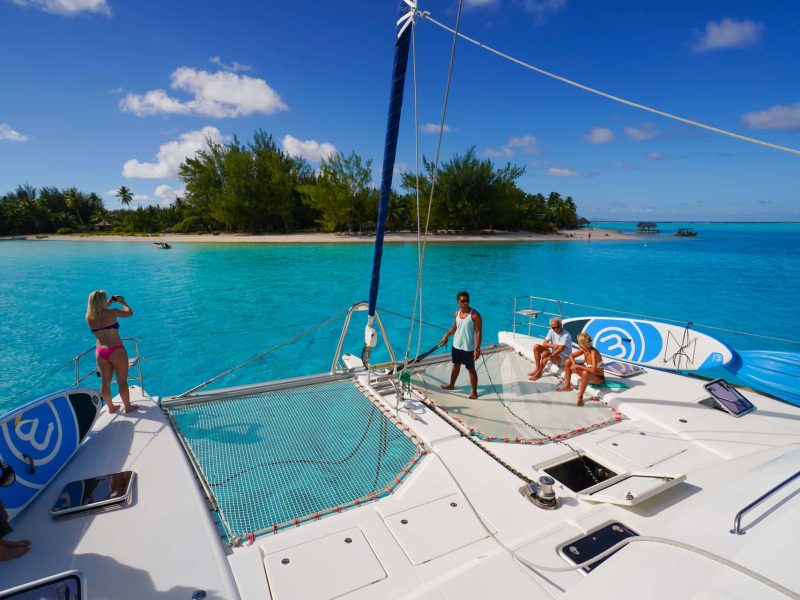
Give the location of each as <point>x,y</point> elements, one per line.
<point>458,526</point>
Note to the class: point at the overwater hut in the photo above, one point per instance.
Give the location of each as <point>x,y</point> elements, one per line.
<point>646,227</point>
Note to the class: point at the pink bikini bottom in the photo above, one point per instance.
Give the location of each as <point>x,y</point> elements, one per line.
<point>105,352</point>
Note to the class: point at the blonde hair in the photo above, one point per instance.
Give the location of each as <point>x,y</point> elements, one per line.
<point>96,305</point>
<point>584,340</point>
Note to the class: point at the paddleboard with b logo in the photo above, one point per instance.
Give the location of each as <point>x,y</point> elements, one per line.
<point>38,439</point>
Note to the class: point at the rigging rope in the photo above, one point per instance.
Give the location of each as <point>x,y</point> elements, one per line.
<point>421,247</point>
<point>262,354</point>
<point>426,15</point>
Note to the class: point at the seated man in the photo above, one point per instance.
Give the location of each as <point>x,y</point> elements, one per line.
<point>552,349</point>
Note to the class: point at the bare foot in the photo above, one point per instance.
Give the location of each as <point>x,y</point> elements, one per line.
<point>535,376</point>
<point>564,388</point>
<point>448,387</point>
<point>15,543</point>
<point>112,408</point>
<point>473,396</point>
<point>580,400</point>
<point>10,553</point>
<point>131,408</point>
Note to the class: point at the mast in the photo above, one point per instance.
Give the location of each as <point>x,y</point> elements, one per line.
<point>402,42</point>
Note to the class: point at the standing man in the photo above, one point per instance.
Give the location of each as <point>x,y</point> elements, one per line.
<point>552,349</point>
<point>468,330</point>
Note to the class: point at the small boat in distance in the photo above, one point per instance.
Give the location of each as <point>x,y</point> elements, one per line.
<point>686,232</point>
<point>162,245</point>
<point>646,227</point>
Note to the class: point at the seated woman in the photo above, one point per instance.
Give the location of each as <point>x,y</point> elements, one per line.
<point>591,371</point>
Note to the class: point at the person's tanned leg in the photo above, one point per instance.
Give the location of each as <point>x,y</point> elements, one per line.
<point>453,377</point>
<point>473,380</point>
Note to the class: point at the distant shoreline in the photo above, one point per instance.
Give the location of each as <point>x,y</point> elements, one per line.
<point>338,238</point>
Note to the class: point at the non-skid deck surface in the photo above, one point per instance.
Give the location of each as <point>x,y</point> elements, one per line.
<point>509,406</point>
<point>274,457</point>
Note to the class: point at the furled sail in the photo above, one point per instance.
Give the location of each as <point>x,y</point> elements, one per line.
<point>402,42</point>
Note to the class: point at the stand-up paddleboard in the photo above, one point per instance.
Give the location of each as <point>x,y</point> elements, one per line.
<point>39,438</point>
<point>775,372</point>
<point>651,343</point>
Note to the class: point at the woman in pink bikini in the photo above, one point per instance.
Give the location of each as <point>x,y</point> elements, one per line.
<point>111,354</point>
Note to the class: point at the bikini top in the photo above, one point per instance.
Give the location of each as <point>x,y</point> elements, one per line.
<point>112,326</point>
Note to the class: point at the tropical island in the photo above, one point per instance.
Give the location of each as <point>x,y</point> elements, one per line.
<point>257,188</point>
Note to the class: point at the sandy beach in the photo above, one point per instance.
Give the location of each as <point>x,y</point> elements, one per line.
<point>339,238</point>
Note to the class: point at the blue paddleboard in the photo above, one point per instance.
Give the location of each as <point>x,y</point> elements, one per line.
<point>39,438</point>
<point>652,343</point>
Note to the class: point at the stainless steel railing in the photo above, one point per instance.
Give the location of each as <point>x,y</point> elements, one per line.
<point>133,361</point>
<point>737,522</point>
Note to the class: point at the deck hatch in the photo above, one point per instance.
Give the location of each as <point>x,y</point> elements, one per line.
<point>596,542</point>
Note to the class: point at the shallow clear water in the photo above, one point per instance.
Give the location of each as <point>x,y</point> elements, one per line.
<point>202,308</point>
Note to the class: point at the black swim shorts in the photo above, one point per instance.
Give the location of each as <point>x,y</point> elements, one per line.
<point>464,357</point>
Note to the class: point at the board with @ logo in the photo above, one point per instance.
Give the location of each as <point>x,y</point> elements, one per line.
<point>39,438</point>
<point>652,343</point>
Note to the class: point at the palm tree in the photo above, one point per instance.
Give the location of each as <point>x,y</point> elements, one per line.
<point>73,200</point>
<point>125,195</point>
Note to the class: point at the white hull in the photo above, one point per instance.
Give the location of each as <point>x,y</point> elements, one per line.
<point>468,531</point>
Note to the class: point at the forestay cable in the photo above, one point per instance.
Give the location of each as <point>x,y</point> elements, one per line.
<point>744,138</point>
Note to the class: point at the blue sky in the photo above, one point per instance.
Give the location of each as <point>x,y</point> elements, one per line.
<point>103,93</point>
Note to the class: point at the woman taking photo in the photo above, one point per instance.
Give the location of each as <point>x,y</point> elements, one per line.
<point>591,371</point>
<point>111,354</point>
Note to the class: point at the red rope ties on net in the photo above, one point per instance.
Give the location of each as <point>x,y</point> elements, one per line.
<point>274,529</point>
<point>357,502</point>
<point>297,522</point>
<point>252,537</point>
<point>317,516</point>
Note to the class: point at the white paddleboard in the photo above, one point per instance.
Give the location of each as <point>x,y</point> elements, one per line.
<point>39,438</point>
<point>651,343</point>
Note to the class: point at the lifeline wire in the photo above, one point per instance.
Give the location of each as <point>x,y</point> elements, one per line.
<point>586,88</point>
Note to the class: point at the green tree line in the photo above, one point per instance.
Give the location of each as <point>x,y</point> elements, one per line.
<point>258,188</point>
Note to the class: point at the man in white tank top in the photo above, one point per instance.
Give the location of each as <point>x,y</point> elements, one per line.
<point>468,330</point>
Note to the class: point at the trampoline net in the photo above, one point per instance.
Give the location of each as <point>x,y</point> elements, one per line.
<point>510,408</point>
<point>279,458</point>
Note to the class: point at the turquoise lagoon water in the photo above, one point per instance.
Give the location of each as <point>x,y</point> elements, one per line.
<point>202,308</point>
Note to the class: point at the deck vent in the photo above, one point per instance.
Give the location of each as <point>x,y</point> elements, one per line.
<point>596,542</point>
<point>580,473</point>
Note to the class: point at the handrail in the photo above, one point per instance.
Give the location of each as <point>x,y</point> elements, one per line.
<point>137,360</point>
<point>737,530</point>
<point>357,307</point>
<point>532,314</point>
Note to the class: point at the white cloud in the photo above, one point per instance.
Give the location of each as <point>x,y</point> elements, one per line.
<point>167,195</point>
<point>599,135</point>
<point>12,135</point>
<point>727,34</point>
<point>116,90</point>
<point>310,150</point>
<point>434,128</point>
<point>68,7</point>
<point>171,155</point>
<point>643,133</point>
<point>141,198</point>
<point>219,95</point>
<point>543,9</point>
<point>234,66</point>
<point>480,3</point>
<point>526,144</point>
<point>563,172</point>
<point>775,117</point>
<point>655,156</point>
